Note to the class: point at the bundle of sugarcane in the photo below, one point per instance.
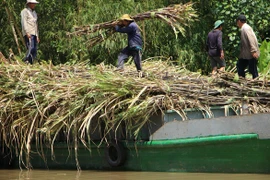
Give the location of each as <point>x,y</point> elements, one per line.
<point>177,16</point>
<point>39,102</point>
<point>3,58</point>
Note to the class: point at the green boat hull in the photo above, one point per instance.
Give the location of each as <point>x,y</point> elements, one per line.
<point>220,154</point>
<point>223,144</point>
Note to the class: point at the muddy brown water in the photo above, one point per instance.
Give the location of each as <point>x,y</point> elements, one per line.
<point>89,175</point>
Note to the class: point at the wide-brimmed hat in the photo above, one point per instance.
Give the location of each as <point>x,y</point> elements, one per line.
<point>32,1</point>
<point>126,17</point>
<point>218,23</point>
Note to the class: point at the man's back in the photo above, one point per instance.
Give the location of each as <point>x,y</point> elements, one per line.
<point>214,43</point>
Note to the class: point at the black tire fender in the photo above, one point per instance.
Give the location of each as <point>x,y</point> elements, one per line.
<point>115,154</point>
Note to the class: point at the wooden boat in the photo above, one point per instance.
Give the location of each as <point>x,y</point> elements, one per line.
<point>220,142</point>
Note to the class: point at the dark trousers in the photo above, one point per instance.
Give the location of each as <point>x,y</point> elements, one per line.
<point>242,64</point>
<point>31,44</point>
<point>136,55</point>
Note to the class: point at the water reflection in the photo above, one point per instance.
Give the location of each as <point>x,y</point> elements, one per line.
<point>88,175</point>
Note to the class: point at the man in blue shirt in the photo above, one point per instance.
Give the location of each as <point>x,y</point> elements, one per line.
<point>134,48</point>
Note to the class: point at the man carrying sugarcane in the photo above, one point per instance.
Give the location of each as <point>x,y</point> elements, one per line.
<point>127,25</point>
<point>30,30</point>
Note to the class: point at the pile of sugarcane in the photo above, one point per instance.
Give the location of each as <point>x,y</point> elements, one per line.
<point>38,102</point>
<point>177,16</point>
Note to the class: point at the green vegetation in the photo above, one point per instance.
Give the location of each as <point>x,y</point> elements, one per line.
<point>264,62</point>
<point>57,17</point>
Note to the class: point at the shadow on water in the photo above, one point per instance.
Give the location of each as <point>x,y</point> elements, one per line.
<point>87,175</point>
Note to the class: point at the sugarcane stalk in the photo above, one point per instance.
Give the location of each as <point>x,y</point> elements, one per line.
<point>176,16</point>
<point>14,27</point>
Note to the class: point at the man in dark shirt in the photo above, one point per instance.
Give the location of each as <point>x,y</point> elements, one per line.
<point>215,49</point>
<point>134,47</point>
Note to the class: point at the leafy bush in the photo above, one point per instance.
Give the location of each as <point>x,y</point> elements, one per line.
<point>264,60</point>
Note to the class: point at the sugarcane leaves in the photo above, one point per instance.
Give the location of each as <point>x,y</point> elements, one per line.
<point>168,21</point>
<point>264,60</point>
<point>79,100</point>
<point>177,16</point>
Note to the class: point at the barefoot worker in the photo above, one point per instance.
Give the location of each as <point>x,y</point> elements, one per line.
<point>215,49</point>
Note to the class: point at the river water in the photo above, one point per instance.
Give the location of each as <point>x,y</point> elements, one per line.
<point>91,175</point>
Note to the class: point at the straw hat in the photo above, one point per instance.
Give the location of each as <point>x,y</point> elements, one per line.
<point>32,1</point>
<point>126,17</point>
<point>218,23</point>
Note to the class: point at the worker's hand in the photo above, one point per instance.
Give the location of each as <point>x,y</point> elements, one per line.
<point>114,23</point>
<point>255,55</point>
<point>222,55</point>
<point>28,36</point>
<point>120,23</point>
<point>38,40</point>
